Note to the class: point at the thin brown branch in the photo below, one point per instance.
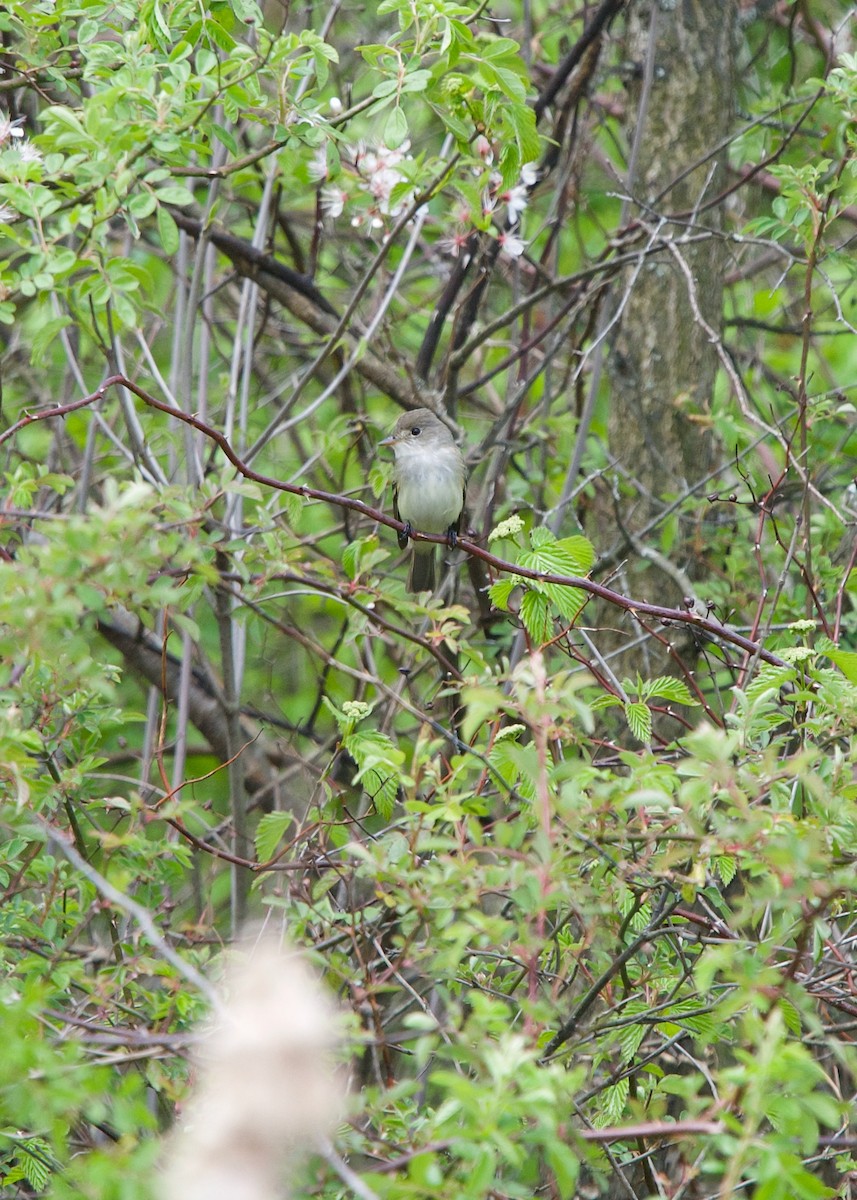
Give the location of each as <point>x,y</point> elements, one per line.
<point>660,612</point>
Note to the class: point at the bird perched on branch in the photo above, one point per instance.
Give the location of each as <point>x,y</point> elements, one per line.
<point>429,484</point>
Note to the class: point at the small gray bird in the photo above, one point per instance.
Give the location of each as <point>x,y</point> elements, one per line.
<point>429,484</point>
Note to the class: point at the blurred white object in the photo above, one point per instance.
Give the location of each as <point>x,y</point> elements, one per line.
<point>267,1092</point>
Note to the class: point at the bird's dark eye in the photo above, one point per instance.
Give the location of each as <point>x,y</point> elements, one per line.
<point>416,431</point>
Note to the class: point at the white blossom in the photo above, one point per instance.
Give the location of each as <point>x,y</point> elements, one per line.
<point>317,169</point>
<point>510,245</point>
<point>333,200</point>
<point>378,168</point>
<point>456,244</point>
<point>516,200</point>
<point>10,128</point>
<point>28,153</point>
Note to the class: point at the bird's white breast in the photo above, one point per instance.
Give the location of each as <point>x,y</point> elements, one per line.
<point>430,487</point>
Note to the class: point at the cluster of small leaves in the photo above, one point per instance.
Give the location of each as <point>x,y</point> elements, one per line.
<point>541,600</point>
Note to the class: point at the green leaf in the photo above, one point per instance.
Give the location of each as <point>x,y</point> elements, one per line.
<point>667,687</point>
<point>535,614</point>
<point>387,87</point>
<point>517,764</point>
<point>613,1101</point>
<point>416,81</point>
<point>379,764</point>
<point>727,868</point>
<point>630,1038</point>
<point>846,660</point>
<point>35,1157</point>
<point>523,121</point>
<point>269,833</point>
<point>45,335</point>
<point>175,194</point>
<point>792,1020</point>
<point>500,47</point>
<point>500,591</point>
<point>395,129</point>
<point>168,231</point>
<point>639,720</point>
<point>565,1166</point>
<point>568,556</point>
<point>224,135</point>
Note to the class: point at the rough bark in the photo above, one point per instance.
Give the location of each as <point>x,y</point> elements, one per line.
<point>662,364</point>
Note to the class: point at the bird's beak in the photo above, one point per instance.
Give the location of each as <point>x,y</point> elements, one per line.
<point>389,441</point>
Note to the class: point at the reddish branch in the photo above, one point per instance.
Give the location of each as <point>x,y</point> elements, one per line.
<point>641,608</point>
<point>651,1129</point>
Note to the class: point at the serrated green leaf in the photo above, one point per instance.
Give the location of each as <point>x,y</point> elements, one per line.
<point>34,1158</point>
<point>568,601</point>
<point>727,867</point>
<point>846,660</point>
<point>630,1038</point>
<point>639,720</point>
<point>499,592</point>
<point>535,614</point>
<point>379,764</point>
<point>269,833</point>
<point>570,556</point>
<point>523,121</point>
<point>791,1017</point>
<point>517,765</point>
<point>613,1100</point>
<point>667,687</point>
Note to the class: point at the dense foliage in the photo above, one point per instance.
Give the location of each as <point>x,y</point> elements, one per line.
<point>594,924</point>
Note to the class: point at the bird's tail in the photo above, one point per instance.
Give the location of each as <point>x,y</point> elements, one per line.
<point>421,576</point>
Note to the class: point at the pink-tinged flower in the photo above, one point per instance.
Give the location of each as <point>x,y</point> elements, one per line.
<point>489,196</point>
<point>333,201</point>
<point>317,169</point>
<point>510,245</point>
<point>456,244</point>
<point>516,200</point>
<point>483,148</point>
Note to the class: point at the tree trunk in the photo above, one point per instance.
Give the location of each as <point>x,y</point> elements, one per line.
<point>662,364</point>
